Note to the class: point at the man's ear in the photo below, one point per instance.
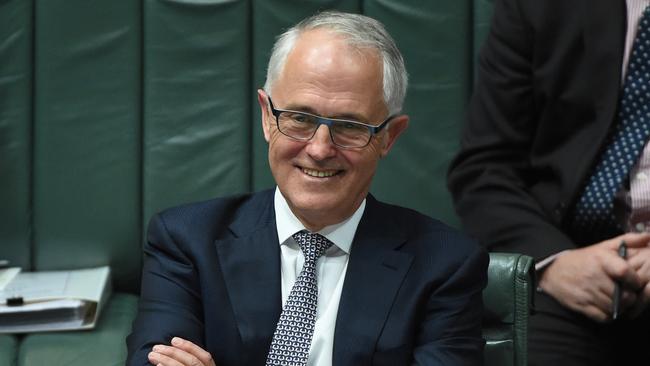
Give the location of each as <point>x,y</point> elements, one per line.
<point>395,128</point>
<point>266,117</point>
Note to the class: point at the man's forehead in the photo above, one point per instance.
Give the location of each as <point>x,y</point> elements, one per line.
<point>325,59</point>
<point>325,76</point>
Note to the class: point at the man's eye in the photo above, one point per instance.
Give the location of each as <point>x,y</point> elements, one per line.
<point>297,117</point>
<point>353,126</point>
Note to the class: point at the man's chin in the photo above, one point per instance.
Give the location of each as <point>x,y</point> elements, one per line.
<point>317,208</point>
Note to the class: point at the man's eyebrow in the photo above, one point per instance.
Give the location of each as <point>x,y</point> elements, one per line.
<point>307,109</point>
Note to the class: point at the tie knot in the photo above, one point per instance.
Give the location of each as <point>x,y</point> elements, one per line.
<point>312,245</point>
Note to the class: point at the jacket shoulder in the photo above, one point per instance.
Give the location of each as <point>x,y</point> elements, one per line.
<point>215,216</point>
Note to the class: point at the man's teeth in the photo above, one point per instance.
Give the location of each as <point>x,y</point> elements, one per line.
<point>318,173</point>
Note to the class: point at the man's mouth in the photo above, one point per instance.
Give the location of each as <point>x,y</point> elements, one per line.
<point>320,173</point>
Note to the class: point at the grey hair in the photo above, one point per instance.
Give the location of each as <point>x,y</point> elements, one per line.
<point>359,31</point>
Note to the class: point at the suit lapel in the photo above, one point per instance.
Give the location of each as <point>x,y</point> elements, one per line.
<point>374,275</point>
<point>250,263</point>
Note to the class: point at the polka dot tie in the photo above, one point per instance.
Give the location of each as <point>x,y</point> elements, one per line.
<point>295,328</point>
<point>594,211</point>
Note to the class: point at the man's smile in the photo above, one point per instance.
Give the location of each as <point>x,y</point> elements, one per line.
<point>320,173</point>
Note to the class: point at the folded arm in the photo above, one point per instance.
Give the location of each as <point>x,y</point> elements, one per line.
<point>170,303</point>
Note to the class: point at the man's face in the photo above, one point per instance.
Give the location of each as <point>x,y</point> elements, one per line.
<point>324,184</point>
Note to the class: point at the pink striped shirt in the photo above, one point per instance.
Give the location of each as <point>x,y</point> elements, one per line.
<point>638,197</point>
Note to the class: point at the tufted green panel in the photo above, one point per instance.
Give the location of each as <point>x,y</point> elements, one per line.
<point>196,101</point>
<point>270,19</point>
<point>87,136</point>
<point>102,346</point>
<point>8,350</point>
<point>432,36</point>
<point>15,130</point>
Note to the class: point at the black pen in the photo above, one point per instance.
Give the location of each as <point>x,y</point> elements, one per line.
<point>622,252</point>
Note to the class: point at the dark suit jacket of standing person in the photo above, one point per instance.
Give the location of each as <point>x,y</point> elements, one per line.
<point>212,275</point>
<point>547,91</point>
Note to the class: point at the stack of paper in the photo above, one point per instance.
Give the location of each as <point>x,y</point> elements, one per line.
<point>7,275</point>
<point>55,300</point>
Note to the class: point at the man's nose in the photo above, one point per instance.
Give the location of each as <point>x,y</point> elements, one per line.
<point>320,146</point>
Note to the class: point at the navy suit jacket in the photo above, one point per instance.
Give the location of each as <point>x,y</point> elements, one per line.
<point>412,292</point>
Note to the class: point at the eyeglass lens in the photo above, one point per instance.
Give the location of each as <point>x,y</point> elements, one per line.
<point>303,127</point>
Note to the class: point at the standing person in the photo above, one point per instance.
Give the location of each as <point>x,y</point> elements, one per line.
<point>316,271</point>
<point>553,165</point>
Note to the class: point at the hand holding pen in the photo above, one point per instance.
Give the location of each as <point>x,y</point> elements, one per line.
<point>616,308</point>
<point>638,258</point>
<point>583,279</point>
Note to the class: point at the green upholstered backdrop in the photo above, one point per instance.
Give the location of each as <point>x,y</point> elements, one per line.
<point>111,110</point>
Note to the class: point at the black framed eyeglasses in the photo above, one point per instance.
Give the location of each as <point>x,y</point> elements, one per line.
<point>344,133</point>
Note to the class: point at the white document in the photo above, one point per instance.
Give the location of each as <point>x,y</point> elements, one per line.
<point>54,300</point>
<point>7,275</point>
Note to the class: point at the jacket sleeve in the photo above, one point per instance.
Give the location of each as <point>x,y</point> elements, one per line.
<point>450,333</point>
<point>170,302</point>
<point>490,177</point>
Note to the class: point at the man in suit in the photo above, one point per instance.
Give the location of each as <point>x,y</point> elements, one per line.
<point>394,287</point>
<point>543,118</point>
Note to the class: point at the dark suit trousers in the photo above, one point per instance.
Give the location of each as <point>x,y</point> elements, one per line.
<point>560,337</point>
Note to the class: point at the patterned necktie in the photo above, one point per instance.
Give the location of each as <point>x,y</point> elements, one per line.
<point>292,337</point>
<point>594,212</point>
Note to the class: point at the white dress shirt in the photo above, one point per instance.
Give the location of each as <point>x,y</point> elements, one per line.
<point>330,271</point>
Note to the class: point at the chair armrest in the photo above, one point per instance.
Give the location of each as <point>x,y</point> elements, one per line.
<point>509,301</point>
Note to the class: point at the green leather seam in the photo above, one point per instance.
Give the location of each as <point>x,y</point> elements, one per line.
<point>524,295</point>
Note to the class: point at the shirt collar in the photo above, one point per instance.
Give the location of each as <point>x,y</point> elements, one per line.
<point>340,234</point>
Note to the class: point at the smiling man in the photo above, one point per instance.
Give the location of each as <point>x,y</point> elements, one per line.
<point>315,272</point>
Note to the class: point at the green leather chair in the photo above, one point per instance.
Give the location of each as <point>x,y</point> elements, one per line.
<point>508,300</point>
<point>111,110</point>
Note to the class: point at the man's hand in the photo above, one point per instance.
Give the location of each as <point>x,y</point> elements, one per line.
<point>639,260</point>
<point>583,279</point>
<point>180,353</point>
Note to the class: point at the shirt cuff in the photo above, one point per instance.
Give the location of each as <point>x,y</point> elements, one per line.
<point>541,266</point>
